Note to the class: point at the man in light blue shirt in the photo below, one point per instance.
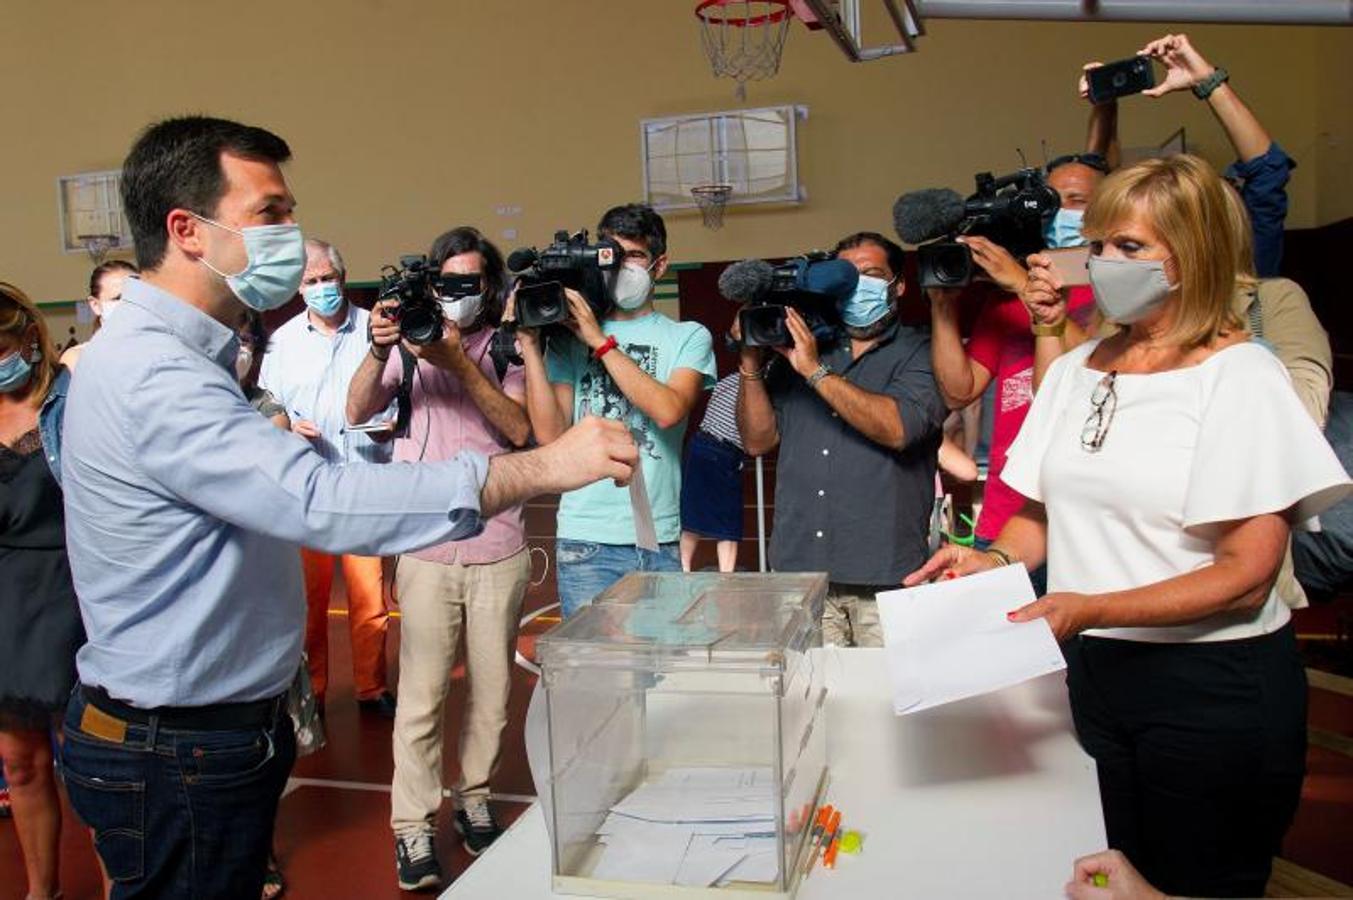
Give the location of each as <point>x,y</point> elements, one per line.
<point>310,362</point>
<point>184,508</point>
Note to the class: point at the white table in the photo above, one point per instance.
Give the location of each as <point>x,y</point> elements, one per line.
<point>988,797</point>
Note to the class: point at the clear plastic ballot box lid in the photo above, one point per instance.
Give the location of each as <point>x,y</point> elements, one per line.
<point>686,742</point>
<point>664,621</point>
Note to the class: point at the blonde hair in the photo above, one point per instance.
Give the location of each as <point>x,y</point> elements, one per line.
<point>1246,276</point>
<point>17,314</point>
<point>1187,204</point>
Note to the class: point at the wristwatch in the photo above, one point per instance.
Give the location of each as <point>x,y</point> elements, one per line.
<point>1203,89</point>
<point>1049,330</point>
<point>821,372</point>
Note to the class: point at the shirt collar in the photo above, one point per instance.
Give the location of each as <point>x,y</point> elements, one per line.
<point>194,327</point>
<point>347,324</point>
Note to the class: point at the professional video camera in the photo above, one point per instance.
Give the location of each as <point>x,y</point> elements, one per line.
<point>418,286</point>
<point>813,284</point>
<point>569,262</point>
<point>1009,211</point>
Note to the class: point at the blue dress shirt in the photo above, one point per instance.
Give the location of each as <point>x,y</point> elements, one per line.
<point>309,371</point>
<point>185,508</point>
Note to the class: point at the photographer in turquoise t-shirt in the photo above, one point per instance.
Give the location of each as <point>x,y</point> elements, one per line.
<point>637,366</point>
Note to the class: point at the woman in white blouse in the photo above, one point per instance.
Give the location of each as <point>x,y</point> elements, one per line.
<point>1164,467</point>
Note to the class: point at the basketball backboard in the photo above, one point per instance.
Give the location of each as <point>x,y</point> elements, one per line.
<point>844,22</point>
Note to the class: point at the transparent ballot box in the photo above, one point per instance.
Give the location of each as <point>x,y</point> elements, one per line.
<point>687,736</point>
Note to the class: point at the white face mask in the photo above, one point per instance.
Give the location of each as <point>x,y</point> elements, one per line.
<point>244,361</point>
<point>633,284</point>
<point>463,311</point>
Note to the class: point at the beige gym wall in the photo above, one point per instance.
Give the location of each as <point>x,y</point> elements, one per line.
<point>408,117</point>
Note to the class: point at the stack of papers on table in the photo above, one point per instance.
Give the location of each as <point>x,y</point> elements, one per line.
<point>951,640</point>
<point>695,827</point>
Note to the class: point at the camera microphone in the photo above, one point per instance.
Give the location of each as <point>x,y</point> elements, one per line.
<point>747,281</point>
<point>927,214</point>
<point>521,259</point>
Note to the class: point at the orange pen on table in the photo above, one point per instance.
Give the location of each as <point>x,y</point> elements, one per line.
<point>817,835</point>
<point>834,831</point>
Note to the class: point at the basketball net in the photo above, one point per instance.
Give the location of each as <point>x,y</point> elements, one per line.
<point>743,39</point>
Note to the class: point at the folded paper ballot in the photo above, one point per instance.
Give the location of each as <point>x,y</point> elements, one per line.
<point>693,826</point>
<point>951,640</point>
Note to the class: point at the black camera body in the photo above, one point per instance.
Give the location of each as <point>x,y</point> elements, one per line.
<point>1120,79</point>
<point>418,285</point>
<point>569,262</point>
<point>1009,211</point>
<point>814,285</point>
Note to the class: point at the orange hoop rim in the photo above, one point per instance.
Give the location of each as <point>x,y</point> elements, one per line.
<point>771,18</point>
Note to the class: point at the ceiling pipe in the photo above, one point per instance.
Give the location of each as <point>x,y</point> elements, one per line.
<point>1246,12</point>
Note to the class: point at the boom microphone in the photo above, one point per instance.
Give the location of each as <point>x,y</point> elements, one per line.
<point>521,259</point>
<point>924,215</point>
<point>746,281</point>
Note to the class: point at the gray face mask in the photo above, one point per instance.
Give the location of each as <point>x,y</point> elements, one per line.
<point>1128,290</point>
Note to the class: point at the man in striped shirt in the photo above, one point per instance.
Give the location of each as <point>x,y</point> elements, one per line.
<point>310,361</point>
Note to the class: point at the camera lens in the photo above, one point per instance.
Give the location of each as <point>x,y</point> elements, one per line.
<point>421,325</point>
<point>1119,79</point>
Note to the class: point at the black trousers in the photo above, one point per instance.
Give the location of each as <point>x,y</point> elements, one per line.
<point>1201,750</point>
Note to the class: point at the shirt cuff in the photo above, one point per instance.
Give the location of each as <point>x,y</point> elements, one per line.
<point>1272,159</point>
<point>469,472</point>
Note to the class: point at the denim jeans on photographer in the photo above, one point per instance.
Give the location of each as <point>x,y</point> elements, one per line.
<point>585,569</point>
<point>179,814</point>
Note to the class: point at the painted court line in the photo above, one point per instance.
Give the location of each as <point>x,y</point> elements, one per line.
<point>294,783</point>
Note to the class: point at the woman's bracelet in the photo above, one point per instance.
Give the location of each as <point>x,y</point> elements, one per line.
<point>1002,558</point>
<point>751,376</point>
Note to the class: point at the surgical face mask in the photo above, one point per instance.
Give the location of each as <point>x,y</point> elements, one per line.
<point>15,372</point>
<point>871,302</point>
<point>105,309</point>
<point>633,284</point>
<point>244,361</point>
<point>1128,290</point>
<point>1064,229</point>
<point>464,310</point>
<point>324,297</point>
<point>275,267</point>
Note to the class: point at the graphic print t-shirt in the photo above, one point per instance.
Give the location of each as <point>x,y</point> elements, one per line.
<point>601,512</point>
<point>1002,343</point>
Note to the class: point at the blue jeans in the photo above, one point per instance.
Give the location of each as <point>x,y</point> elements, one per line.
<point>179,813</point>
<point>1038,576</point>
<point>586,569</point>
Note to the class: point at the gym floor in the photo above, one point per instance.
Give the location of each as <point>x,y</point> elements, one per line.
<point>333,835</point>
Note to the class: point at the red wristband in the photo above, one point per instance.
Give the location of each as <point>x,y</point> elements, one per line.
<point>607,346</point>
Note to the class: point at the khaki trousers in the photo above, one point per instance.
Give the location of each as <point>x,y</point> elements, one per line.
<point>435,602</point>
<point>851,616</point>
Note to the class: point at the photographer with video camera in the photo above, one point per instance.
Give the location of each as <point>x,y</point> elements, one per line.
<point>1027,212</point>
<point>460,398</point>
<point>624,361</point>
<point>856,415</point>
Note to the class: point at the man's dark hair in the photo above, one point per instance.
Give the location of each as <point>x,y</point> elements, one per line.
<point>102,269</point>
<point>466,239</point>
<point>896,257</point>
<point>176,164</point>
<point>636,222</point>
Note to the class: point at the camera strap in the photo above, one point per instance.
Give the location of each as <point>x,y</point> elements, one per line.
<point>404,396</point>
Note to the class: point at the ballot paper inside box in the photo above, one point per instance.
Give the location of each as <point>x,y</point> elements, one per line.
<point>687,736</point>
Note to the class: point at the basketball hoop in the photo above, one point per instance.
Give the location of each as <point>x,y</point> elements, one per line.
<point>712,198</point>
<point>98,245</point>
<point>743,38</point>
